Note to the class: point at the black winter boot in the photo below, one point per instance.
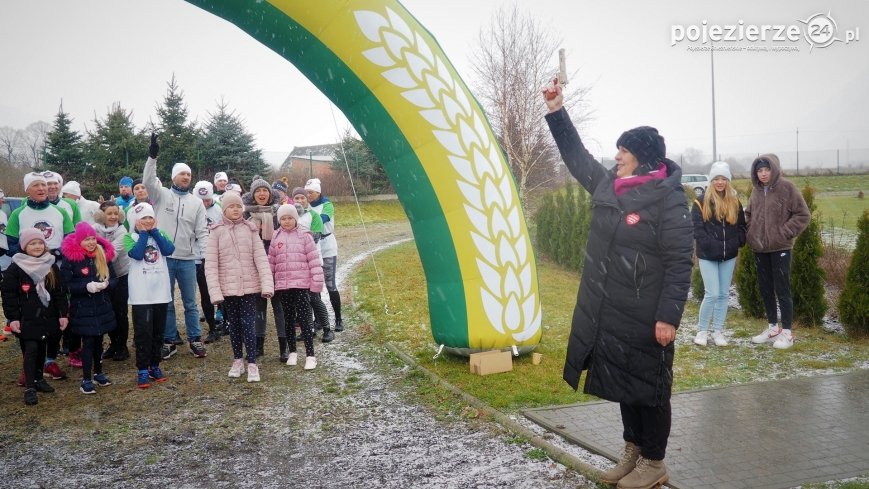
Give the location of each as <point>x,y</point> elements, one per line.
<point>260,343</point>
<point>285,349</point>
<point>328,335</point>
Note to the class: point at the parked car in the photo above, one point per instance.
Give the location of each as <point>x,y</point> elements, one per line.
<point>696,182</point>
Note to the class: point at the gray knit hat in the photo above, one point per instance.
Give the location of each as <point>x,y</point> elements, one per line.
<point>258,182</point>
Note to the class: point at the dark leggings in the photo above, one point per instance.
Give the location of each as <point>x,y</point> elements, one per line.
<point>774,281</point>
<point>34,355</point>
<point>648,427</point>
<point>120,296</point>
<point>262,312</point>
<point>149,322</point>
<point>91,356</point>
<point>297,305</point>
<point>321,314</point>
<point>240,312</point>
<point>205,298</point>
<point>329,266</point>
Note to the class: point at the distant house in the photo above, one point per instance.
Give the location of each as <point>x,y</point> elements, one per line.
<point>310,160</point>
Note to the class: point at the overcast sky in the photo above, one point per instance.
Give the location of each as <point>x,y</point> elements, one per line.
<point>91,53</point>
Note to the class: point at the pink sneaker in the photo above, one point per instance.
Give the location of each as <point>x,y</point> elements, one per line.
<point>75,359</point>
<point>53,370</point>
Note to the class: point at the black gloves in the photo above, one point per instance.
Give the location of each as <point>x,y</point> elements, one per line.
<point>154,148</point>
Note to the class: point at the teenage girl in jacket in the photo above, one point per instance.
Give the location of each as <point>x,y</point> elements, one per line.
<point>34,303</point>
<point>719,232</point>
<point>295,263</point>
<point>109,225</point>
<point>237,272</point>
<point>150,290</point>
<point>90,277</point>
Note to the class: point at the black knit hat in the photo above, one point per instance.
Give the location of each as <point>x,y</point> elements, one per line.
<point>279,185</point>
<point>136,182</point>
<point>645,144</point>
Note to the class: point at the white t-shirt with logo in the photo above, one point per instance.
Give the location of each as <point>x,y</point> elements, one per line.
<point>148,280</point>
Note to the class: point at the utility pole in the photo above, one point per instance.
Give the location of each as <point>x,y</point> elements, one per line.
<point>310,165</point>
<point>714,142</point>
<point>798,151</point>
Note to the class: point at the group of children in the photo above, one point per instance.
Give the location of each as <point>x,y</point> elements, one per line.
<point>102,268</point>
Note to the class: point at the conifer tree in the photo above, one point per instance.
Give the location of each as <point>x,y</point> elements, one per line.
<point>113,149</point>
<point>178,136</point>
<point>227,146</point>
<point>746,280</point>
<point>544,220</point>
<point>854,301</point>
<point>807,277</point>
<point>63,147</point>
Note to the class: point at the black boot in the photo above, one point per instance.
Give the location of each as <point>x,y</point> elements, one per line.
<point>260,341</point>
<point>285,349</point>
<point>339,325</point>
<point>328,335</point>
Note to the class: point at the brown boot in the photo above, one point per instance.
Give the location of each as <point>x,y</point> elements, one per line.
<point>624,467</point>
<point>647,474</point>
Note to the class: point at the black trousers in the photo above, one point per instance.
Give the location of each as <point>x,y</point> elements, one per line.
<point>34,356</point>
<point>774,281</point>
<point>91,356</point>
<point>207,306</point>
<point>321,314</point>
<point>149,322</point>
<point>297,307</point>
<point>120,296</point>
<point>648,427</point>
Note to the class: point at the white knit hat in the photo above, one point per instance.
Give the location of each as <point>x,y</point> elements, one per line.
<point>720,169</point>
<point>204,190</point>
<point>180,167</point>
<point>52,176</point>
<point>71,187</point>
<point>288,210</point>
<point>220,176</point>
<point>32,178</point>
<point>140,211</point>
<point>313,184</point>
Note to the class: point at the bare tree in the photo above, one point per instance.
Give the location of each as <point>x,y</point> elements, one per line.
<point>515,59</point>
<point>34,140</point>
<point>10,140</point>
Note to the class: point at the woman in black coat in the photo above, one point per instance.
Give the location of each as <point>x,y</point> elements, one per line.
<point>633,288</point>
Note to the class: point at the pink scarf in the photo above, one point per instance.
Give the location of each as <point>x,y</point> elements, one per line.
<point>36,267</point>
<point>622,185</point>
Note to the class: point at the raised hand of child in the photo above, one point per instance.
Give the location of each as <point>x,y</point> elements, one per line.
<point>15,326</point>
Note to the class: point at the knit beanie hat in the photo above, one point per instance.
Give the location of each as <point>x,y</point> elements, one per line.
<point>29,235</point>
<point>204,190</point>
<point>51,176</point>
<point>288,210</point>
<point>220,177</point>
<point>230,198</point>
<point>299,191</point>
<point>136,182</point>
<point>645,144</point>
<point>180,167</point>
<point>258,182</point>
<point>84,230</point>
<point>31,178</point>
<point>313,185</point>
<point>720,169</point>
<point>140,211</point>
<point>125,182</point>
<point>279,185</point>
<point>760,163</point>
<point>71,187</point>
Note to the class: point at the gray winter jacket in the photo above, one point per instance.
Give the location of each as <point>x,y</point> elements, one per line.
<point>180,214</point>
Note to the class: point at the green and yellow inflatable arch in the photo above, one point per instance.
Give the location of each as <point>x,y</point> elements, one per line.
<point>395,85</point>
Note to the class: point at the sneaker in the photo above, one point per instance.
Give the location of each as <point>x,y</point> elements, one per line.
<point>30,397</point>
<point>102,380</point>
<point>339,325</point>
<point>42,386</point>
<point>768,335</point>
<point>74,359</point>
<point>700,339</point>
<point>157,374</point>
<point>143,380</point>
<point>177,340</point>
<point>719,339</point>
<point>328,336</point>
<point>310,363</point>
<point>53,370</point>
<point>167,351</point>
<point>197,348</point>
<point>212,337</point>
<point>252,372</point>
<point>22,380</point>
<point>293,359</point>
<point>237,368</point>
<point>121,354</point>
<point>87,387</point>
<point>785,340</point>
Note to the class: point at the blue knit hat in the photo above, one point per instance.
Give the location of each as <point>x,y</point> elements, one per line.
<point>126,182</point>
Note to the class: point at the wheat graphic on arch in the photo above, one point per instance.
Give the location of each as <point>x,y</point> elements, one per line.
<point>503,251</point>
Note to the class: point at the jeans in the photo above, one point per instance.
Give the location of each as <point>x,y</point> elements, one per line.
<point>184,271</point>
<point>774,281</point>
<point>716,281</point>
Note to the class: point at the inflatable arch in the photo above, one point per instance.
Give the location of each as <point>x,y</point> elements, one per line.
<point>395,85</point>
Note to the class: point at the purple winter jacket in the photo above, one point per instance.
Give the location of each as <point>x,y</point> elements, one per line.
<point>294,261</point>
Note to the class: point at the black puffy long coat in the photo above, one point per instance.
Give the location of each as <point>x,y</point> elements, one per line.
<point>717,240</point>
<point>21,303</point>
<point>89,314</point>
<point>637,271</point>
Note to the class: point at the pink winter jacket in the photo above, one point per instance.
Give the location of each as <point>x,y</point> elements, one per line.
<point>294,261</point>
<point>235,262</point>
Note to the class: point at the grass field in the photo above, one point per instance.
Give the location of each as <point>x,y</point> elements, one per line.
<point>407,326</point>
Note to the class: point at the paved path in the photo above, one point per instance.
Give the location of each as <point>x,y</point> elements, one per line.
<point>776,434</point>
